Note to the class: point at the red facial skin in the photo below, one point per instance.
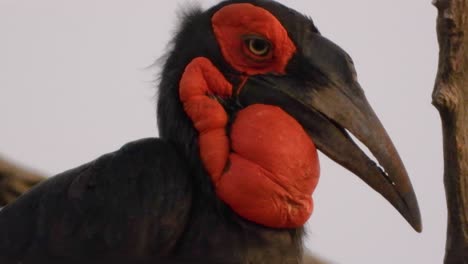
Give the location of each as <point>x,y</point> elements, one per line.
<point>267,168</point>
<point>232,23</point>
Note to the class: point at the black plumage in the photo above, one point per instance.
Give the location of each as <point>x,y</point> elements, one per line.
<point>136,204</point>
<point>152,201</point>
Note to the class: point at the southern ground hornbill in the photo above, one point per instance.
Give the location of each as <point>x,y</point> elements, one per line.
<point>247,93</point>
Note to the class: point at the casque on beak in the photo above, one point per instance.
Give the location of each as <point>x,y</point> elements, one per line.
<point>321,92</point>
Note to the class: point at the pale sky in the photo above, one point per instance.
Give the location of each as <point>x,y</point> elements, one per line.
<point>75,84</point>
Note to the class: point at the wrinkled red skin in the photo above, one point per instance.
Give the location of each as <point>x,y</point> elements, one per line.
<point>273,168</point>
<point>200,80</point>
<point>267,168</point>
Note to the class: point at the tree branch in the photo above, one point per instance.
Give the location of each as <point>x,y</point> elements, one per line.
<point>450,97</point>
<point>15,181</point>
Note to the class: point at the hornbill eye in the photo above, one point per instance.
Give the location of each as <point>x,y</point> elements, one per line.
<point>258,46</point>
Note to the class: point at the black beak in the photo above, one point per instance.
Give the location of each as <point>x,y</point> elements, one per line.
<point>330,110</point>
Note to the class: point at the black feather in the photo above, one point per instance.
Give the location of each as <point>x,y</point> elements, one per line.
<point>152,201</point>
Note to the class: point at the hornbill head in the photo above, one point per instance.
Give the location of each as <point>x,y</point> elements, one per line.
<point>244,53</point>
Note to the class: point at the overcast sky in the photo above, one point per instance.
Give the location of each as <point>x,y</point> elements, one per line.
<point>75,84</point>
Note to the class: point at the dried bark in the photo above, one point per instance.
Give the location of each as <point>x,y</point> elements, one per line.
<point>450,97</point>
<point>310,259</point>
<point>15,181</point>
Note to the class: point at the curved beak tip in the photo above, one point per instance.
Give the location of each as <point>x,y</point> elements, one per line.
<point>328,114</point>
<point>412,213</point>
<point>417,226</point>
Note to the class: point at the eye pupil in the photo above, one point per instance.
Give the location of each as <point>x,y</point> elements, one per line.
<point>259,45</point>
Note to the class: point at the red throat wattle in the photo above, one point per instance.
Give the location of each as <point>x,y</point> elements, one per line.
<point>266,167</point>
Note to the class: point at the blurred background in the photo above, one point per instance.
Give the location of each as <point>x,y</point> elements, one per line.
<point>77,80</point>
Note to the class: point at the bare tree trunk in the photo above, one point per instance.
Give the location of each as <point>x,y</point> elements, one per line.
<point>451,99</point>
